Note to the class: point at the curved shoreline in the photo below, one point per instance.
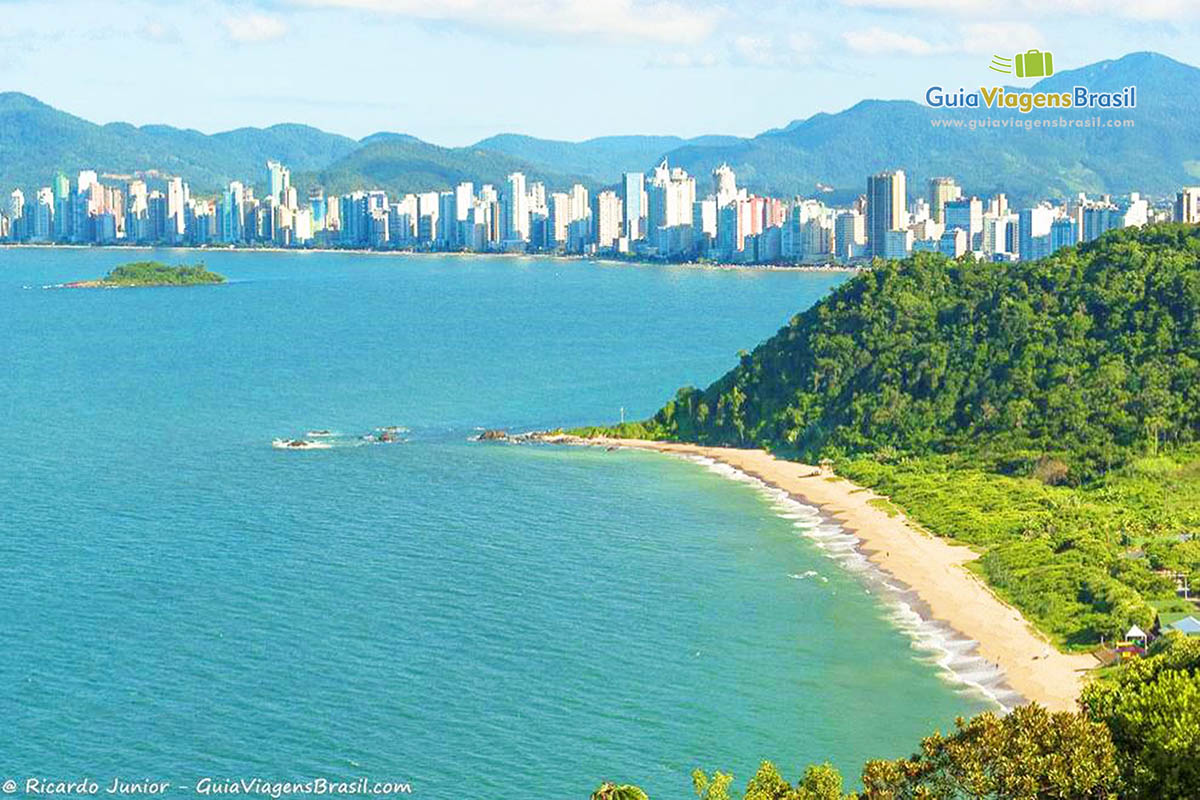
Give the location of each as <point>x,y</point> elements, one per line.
<point>955,655</point>
<point>929,569</point>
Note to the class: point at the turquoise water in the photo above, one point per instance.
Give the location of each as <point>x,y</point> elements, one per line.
<point>180,600</point>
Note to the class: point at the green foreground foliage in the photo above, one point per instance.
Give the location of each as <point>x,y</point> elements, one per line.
<point>1047,413</point>
<point>1081,562</point>
<point>1136,736</point>
<point>156,273</point>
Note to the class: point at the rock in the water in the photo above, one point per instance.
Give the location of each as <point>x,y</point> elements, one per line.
<point>494,435</point>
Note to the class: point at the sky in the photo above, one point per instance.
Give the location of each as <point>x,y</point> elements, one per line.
<point>455,71</point>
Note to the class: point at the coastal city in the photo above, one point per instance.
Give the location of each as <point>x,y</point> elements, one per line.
<point>665,216</point>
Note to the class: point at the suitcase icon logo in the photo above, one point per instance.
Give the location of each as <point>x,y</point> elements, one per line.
<point>1034,64</point>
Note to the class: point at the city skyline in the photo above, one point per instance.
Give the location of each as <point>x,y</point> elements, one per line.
<point>665,218</point>
<point>527,67</point>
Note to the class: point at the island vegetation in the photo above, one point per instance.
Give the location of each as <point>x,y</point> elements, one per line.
<point>1046,413</point>
<point>153,273</point>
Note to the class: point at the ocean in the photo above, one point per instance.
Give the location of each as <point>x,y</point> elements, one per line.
<point>182,601</point>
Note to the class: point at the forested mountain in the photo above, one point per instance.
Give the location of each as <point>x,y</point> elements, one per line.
<point>1158,155</point>
<point>36,141</point>
<point>402,164</point>
<point>1046,413</point>
<point>602,159</point>
<point>1093,353</point>
<point>834,150</point>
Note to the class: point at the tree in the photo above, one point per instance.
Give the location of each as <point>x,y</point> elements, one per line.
<point>611,791</point>
<point>1029,754</point>
<point>821,782</point>
<point>714,788</point>
<point>1153,712</point>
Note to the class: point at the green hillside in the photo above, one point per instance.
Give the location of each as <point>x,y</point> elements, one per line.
<point>1157,155</point>
<point>1047,413</point>
<point>402,164</point>
<point>835,150</point>
<point>37,141</point>
<point>602,159</point>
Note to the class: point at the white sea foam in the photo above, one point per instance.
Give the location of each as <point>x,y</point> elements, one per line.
<point>808,573</point>
<point>935,642</point>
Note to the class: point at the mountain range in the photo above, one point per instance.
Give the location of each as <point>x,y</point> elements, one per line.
<point>824,153</point>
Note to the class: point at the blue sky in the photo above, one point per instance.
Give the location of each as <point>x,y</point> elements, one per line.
<point>455,71</point>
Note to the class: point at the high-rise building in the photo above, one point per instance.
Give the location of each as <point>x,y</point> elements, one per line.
<point>941,191</point>
<point>724,185</point>
<point>16,214</point>
<point>232,217</point>
<point>953,242</point>
<point>516,209</point>
<point>996,233</point>
<point>608,220</point>
<point>887,202</point>
<point>447,222</point>
<point>966,214</point>
<point>704,220</point>
<point>402,226</point>
<point>558,219</point>
<point>62,207</point>
<point>464,202</point>
<point>428,205</point>
<point>177,197</point>
<point>156,217</point>
<point>1187,205</point>
<point>634,201</point>
<point>279,180</point>
<point>849,235</point>
<point>1033,228</point>
<point>317,209</point>
<point>43,216</point>
<point>302,226</point>
<point>1063,233</point>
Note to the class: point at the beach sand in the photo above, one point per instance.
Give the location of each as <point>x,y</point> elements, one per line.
<point>932,567</point>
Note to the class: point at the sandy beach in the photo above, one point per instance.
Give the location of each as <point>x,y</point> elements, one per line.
<point>932,567</point>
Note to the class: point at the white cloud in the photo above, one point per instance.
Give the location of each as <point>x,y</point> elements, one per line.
<point>998,37</point>
<point>1165,10</point>
<point>971,39</point>
<point>793,50</point>
<point>619,20</point>
<point>880,41</point>
<point>254,28</point>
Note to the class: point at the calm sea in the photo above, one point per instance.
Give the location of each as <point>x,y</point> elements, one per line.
<point>179,600</point>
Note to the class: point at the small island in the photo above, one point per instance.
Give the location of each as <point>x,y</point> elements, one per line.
<point>151,273</point>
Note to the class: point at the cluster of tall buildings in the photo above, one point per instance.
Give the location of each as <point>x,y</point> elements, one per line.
<point>949,222</point>
<point>663,214</point>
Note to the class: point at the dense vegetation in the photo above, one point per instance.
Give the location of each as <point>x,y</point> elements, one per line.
<point>1082,562</point>
<point>841,149</point>
<point>400,164</point>
<point>36,141</point>
<point>602,159</point>
<point>1136,737</point>
<point>156,273</point>
<point>1158,155</point>
<point>1046,413</point>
